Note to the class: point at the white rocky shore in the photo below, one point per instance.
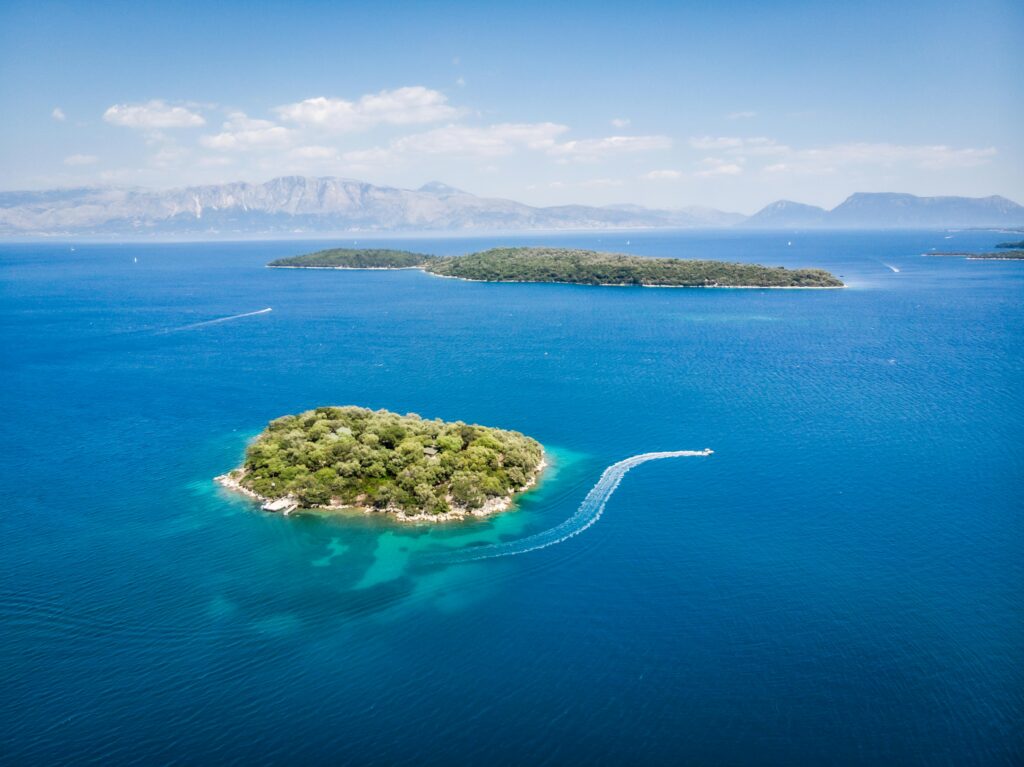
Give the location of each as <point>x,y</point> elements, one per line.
<point>286,505</point>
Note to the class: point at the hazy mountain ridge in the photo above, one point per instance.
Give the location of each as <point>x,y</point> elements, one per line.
<point>305,205</point>
<point>297,204</point>
<point>887,210</point>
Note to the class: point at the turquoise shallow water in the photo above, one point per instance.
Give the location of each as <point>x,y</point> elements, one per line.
<point>841,582</point>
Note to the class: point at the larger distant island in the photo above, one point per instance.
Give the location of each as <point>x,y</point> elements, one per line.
<point>571,266</point>
<point>297,206</point>
<point>338,458</point>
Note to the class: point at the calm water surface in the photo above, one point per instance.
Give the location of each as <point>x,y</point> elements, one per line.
<point>841,582</point>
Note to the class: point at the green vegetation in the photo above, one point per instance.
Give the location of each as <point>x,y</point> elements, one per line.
<point>1013,255</point>
<point>352,258</point>
<point>581,267</point>
<point>587,267</point>
<point>352,456</point>
<point>1019,244</point>
<point>1005,255</point>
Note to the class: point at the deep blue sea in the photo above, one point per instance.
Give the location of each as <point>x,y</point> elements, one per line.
<point>840,583</point>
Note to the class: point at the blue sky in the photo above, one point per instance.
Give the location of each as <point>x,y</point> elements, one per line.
<point>731,104</point>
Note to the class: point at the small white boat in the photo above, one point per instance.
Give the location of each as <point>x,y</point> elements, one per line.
<point>283,505</point>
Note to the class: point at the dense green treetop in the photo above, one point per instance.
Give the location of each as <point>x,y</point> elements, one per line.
<point>356,258</point>
<point>587,267</point>
<point>352,456</point>
<point>583,267</point>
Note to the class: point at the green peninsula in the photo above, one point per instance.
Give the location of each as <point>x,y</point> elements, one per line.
<point>1014,245</point>
<point>354,258</point>
<point>579,267</point>
<point>1003,255</point>
<point>416,469</point>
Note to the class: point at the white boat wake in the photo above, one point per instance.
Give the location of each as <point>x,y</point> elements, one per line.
<point>891,267</point>
<point>586,515</point>
<point>195,325</point>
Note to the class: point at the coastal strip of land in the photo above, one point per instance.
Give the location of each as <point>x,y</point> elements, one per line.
<point>1004,255</point>
<point>573,267</point>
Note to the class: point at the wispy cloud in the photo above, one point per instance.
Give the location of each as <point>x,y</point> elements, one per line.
<point>243,133</point>
<point>829,159</point>
<point>155,114</point>
<point>600,183</point>
<point>81,159</point>
<point>402,106</point>
<point>313,152</point>
<point>621,122</point>
<point>487,141</point>
<point>58,114</point>
<point>711,167</point>
<point>597,148</point>
<point>662,175</point>
<point>737,145</point>
<point>741,115</point>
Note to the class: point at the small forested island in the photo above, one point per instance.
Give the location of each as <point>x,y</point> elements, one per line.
<point>588,267</point>
<point>1018,245</point>
<point>360,459</point>
<point>579,267</point>
<point>354,258</point>
<point>1004,255</point>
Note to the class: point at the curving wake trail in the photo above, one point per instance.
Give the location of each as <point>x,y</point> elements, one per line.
<point>586,515</point>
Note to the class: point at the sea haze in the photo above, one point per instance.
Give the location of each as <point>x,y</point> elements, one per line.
<point>839,583</point>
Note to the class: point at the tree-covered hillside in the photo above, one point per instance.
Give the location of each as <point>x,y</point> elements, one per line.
<point>587,267</point>
<point>356,258</point>
<point>353,456</point>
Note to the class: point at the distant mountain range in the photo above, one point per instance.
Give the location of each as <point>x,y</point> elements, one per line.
<point>891,211</point>
<point>299,205</point>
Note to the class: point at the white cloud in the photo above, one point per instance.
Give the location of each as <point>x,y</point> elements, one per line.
<point>243,133</point>
<point>402,106</point>
<point>313,153</point>
<point>929,157</point>
<point>153,114</point>
<point>737,145</point>
<point>716,167</point>
<point>365,158</point>
<point>831,159</point>
<point>218,161</point>
<point>596,148</point>
<point>488,141</point>
<point>81,159</point>
<point>58,114</point>
<point>168,156</point>
<point>740,115</point>
<point>460,81</point>
<point>621,122</point>
<point>600,183</point>
<point>662,175</point>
